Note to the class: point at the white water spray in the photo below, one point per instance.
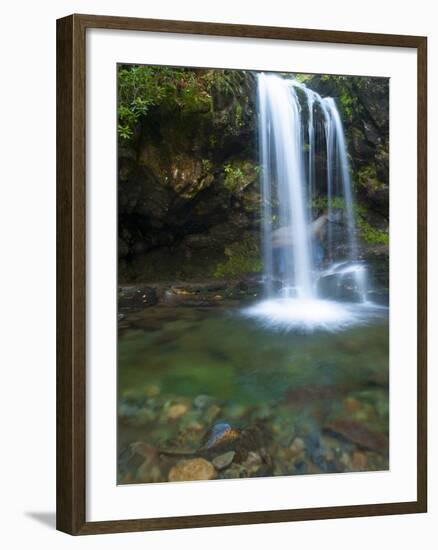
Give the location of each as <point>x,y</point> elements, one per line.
<point>295,256</point>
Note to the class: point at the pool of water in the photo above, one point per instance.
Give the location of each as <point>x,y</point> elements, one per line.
<point>183,370</point>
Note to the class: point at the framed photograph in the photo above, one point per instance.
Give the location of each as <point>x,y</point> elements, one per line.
<point>241,244</point>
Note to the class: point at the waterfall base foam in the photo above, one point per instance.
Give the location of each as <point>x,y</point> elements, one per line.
<point>311,314</point>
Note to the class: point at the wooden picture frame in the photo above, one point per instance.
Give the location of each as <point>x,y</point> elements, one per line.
<point>71,273</point>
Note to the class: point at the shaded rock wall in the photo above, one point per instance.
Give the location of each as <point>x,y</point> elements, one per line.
<point>189,199</point>
<point>188,186</point>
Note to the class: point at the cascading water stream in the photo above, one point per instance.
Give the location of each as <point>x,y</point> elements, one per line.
<point>295,258</point>
<point>283,160</point>
<point>341,152</point>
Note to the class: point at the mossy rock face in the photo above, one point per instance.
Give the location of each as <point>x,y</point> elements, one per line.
<point>242,257</point>
<point>239,174</point>
<point>364,106</point>
<point>189,177</point>
<point>199,257</point>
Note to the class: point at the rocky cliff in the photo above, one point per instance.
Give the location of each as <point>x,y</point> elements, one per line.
<point>189,200</point>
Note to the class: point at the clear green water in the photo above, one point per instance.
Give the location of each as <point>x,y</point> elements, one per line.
<point>296,383</point>
<point>232,358</point>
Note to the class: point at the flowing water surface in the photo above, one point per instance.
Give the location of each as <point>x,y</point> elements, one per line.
<point>326,390</point>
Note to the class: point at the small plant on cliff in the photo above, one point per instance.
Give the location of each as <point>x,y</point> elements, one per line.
<point>234,177</point>
<point>367,178</point>
<point>239,175</point>
<point>142,87</point>
<point>370,234</point>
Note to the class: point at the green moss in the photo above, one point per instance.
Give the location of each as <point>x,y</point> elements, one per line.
<point>371,235</point>
<point>242,257</point>
<point>206,165</point>
<point>303,77</point>
<point>321,203</point>
<point>238,114</point>
<point>367,178</point>
<point>239,174</point>
<point>141,87</point>
<point>368,233</point>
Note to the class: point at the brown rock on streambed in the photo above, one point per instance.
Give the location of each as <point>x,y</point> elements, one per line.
<point>308,393</point>
<point>297,447</point>
<point>359,461</point>
<point>360,434</point>
<point>194,469</point>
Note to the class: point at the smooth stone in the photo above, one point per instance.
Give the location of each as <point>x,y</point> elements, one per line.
<point>351,404</point>
<point>144,449</point>
<point>223,461</point>
<point>176,411</point>
<point>360,434</point>
<point>253,462</point>
<point>202,401</point>
<point>195,427</point>
<point>152,390</point>
<point>359,461</point>
<point>143,416</point>
<point>235,471</point>
<point>194,469</point>
<point>297,447</point>
<point>345,460</point>
<point>149,473</point>
<point>126,410</point>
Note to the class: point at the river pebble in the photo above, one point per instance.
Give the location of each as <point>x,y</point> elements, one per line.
<point>223,461</point>
<point>192,470</point>
<point>202,401</point>
<point>297,447</point>
<point>359,461</point>
<point>152,390</point>
<point>176,411</point>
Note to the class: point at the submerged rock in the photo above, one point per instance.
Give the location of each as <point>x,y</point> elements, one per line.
<point>139,463</point>
<point>152,390</point>
<point>308,393</point>
<point>360,434</point>
<point>134,298</point>
<point>223,461</point>
<point>359,461</point>
<point>297,447</point>
<point>176,411</point>
<point>142,416</point>
<point>202,401</point>
<point>235,471</point>
<point>149,472</point>
<point>253,462</point>
<point>192,470</point>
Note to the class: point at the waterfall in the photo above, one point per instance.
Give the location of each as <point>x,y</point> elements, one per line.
<point>298,128</point>
<point>341,153</point>
<point>282,159</point>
